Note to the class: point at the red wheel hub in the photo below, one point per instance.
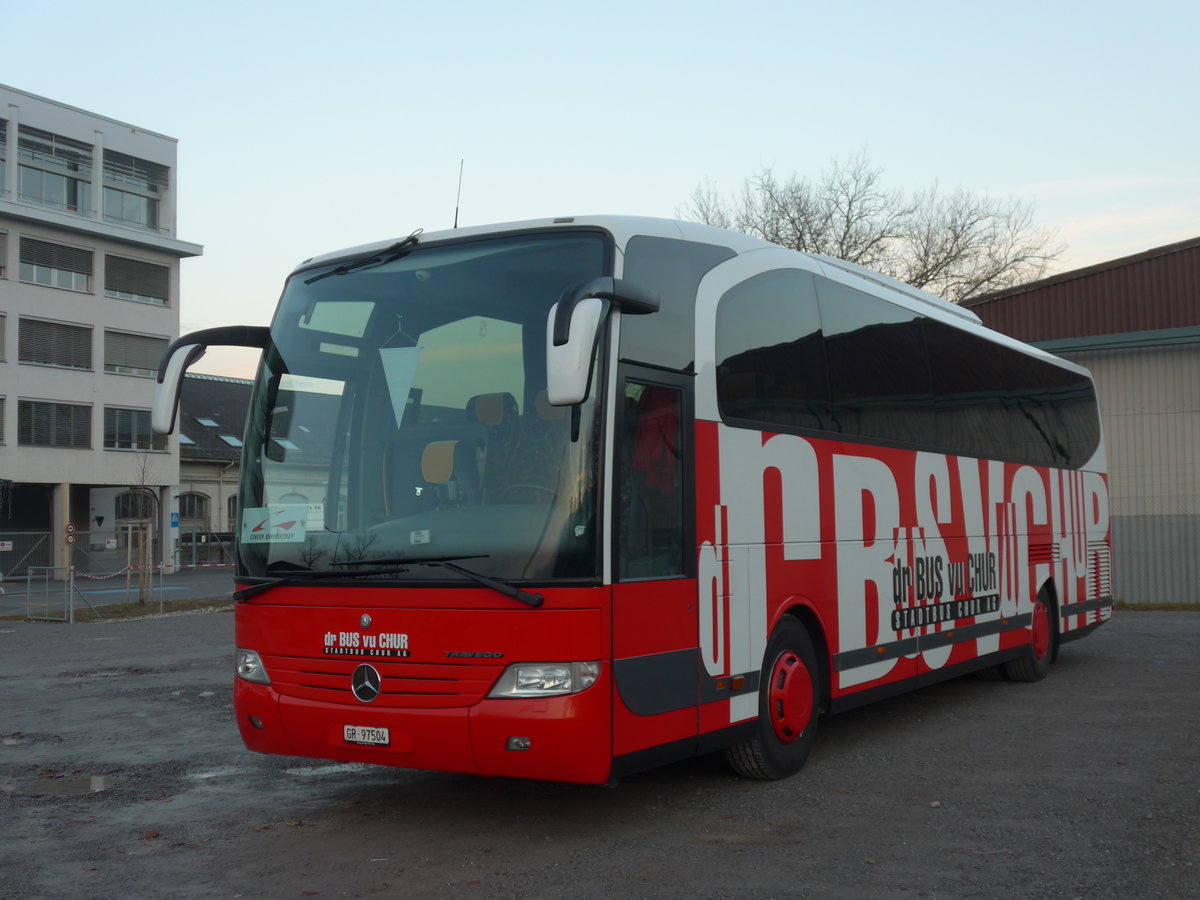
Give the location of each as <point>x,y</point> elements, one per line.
<point>790,696</point>
<point>1041,630</point>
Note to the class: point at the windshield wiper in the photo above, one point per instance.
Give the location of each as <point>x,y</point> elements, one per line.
<point>448,562</point>
<point>392,566</point>
<point>302,575</point>
<point>394,252</point>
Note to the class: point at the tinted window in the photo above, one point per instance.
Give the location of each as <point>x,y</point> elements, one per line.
<point>770,360</point>
<point>994,402</point>
<point>800,351</point>
<point>651,502</point>
<point>878,370</point>
<point>674,269</point>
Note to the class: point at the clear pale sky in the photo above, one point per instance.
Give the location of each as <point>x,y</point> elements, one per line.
<point>305,127</point>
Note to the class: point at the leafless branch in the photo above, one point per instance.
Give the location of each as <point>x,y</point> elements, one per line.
<point>957,245</point>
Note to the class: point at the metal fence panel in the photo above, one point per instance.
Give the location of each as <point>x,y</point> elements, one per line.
<point>48,593</point>
<point>21,549</point>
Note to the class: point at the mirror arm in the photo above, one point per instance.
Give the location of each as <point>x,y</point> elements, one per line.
<point>185,351</point>
<point>254,336</point>
<point>628,297</point>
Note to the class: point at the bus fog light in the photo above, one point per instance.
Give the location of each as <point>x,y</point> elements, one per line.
<point>518,744</point>
<point>249,667</point>
<point>545,679</point>
<point>586,674</point>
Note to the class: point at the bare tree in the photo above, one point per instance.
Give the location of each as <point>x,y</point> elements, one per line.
<point>956,245</point>
<point>311,554</point>
<point>143,514</point>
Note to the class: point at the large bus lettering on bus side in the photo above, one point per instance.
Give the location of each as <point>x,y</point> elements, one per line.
<point>572,498</point>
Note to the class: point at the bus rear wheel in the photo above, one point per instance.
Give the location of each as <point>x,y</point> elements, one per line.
<point>1034,664</point>
<point>789,695</point>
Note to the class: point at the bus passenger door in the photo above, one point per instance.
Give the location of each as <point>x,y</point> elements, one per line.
<point>655,631</point>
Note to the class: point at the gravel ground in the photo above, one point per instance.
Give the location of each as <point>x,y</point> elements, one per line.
<point>123,776</point>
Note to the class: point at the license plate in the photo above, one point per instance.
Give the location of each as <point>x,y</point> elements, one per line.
<point>361,734</point>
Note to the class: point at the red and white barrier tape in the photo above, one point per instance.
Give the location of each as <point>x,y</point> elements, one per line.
<point>156,568</point>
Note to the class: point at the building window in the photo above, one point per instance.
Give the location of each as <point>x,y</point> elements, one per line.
<point>3,157</point>
<point>129,429</point>
<point>43,424</point>
<point>128,279</point>
<point>193,507</point>
<point>1,421</point>
<point>54,170</point>
<point>3,236</point>
<point>230,504</point>
<point>43,343</point>
<point>132,354</point>
<point>3,319</point>
<point>132,188</point>
<point>135,505</point>
<point>54,265</point>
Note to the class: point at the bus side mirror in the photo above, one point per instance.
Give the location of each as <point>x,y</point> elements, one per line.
<point>185,351</point>
<point>569,365</point>
<point>573,328</point>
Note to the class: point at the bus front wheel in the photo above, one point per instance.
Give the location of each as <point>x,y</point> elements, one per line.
<point>788,700</point>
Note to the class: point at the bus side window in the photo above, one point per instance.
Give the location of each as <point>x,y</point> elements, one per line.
<point>879,382</point>
<point>651,502</point>
<point>770,353</point>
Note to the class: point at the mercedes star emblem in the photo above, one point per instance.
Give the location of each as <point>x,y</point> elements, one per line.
<point>365,683</point>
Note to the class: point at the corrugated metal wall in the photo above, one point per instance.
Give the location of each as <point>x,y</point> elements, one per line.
<point>1150,404</point>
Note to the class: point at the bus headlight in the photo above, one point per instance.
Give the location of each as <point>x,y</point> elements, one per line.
<point>249,666</point>
<point>545,679</point>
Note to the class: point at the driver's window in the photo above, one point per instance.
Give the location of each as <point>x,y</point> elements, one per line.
<point>651,502</point>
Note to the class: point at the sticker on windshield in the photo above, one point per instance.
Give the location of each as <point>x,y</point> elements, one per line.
<point>274,524</point>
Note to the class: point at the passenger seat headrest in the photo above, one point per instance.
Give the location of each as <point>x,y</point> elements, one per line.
<point>491,409</point>
<point>437,462</point>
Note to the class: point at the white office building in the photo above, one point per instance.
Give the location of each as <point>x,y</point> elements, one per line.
<point>89,300</point>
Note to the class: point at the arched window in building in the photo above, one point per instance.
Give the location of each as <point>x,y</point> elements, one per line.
<point>193,511</point>
<point>136,505</point>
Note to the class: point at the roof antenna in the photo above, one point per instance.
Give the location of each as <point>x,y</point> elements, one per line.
<point>458,197</point>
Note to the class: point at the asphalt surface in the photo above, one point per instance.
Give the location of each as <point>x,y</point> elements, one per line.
<point>122,775</point>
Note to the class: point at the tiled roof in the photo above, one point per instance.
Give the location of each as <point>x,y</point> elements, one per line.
<point>218,400</point>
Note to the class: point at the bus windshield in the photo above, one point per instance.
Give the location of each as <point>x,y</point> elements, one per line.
<point>400,413</point>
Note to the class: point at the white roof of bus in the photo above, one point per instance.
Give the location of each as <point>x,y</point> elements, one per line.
<point>624,227</point>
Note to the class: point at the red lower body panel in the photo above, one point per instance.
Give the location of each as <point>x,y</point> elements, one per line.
<point>568,738</point>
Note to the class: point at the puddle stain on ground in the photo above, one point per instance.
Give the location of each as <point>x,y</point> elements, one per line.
<point>20,738</point>
<point>113,673</point>
<point>59,786</point>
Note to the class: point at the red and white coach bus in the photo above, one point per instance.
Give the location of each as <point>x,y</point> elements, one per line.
<point>571,498</point>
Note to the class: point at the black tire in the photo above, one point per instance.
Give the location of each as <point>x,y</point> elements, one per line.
<point>991,673</point>
<point>1034,663</point>
<point>788,707</point>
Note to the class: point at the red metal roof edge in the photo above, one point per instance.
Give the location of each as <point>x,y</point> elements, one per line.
<point>1095,269</point>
